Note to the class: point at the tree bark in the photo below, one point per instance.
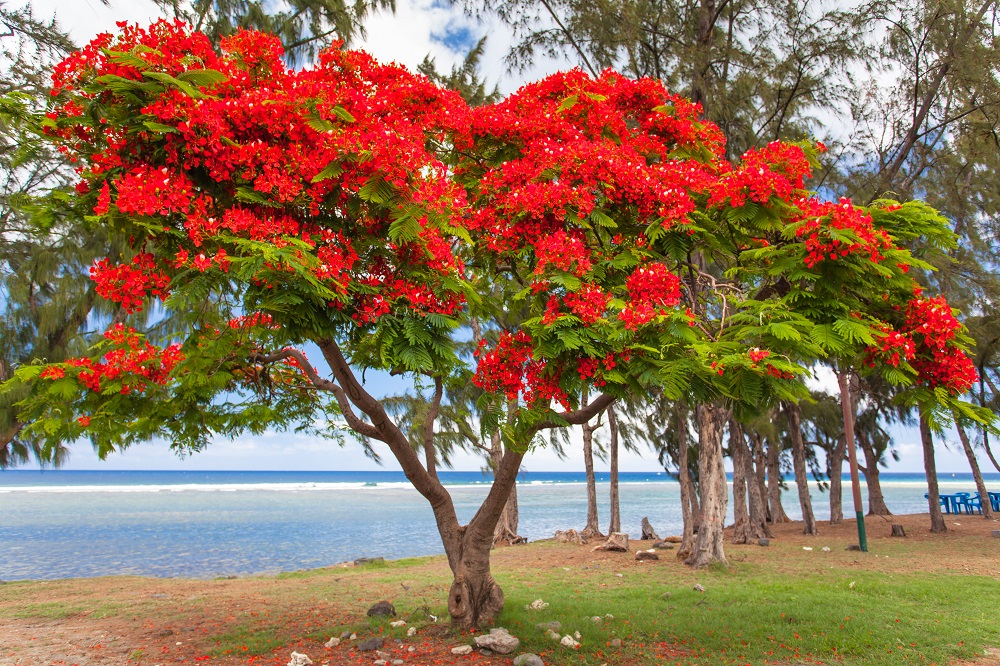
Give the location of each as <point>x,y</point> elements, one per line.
<point>506,529</point>
<point>616,517</point>
<point>984,497</point>
<point>687,487</point>
<point>775,508</point>
<point>933,495</point>
<point>756,527</point>
<point>737,451</point>
<point>593,528</point>
<point>708,546</point>
<point>794,414</point>
<point>835,468</point>
<point>876,500</point>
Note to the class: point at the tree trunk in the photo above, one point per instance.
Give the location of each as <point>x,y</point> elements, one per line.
<point>760,471</point>
<point>835,467</point>
<point>708,547</point>
<point>593,528</point>
<point>506,529</point>
<point>687,487</point>
<point>876,501</point>
<point>933,496</point>
<point>984,497</point>
<point>737,451</point>
<point>756,507</point>
<point>794,414</point>
<point>616,518</point>
<point>777,511</point>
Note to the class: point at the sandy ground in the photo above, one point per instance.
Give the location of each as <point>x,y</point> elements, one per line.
<point>121,621</point>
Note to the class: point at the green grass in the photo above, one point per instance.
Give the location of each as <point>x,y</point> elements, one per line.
<point>749,615</point>
<point>245,639</point>
<point>49,610</point>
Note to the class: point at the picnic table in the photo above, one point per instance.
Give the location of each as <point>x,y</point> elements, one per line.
<point>967,503</point>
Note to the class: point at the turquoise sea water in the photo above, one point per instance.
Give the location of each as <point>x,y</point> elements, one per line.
<point>56,524</point>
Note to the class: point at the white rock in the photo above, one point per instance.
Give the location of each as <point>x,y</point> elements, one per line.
<point>825,549</point>
<point>537,604</point>
<point>851,585</point>
<point>609,616</point>
<point>354,637</point>
<point>553,635</point>
<point>333,642</point>
<point>411,649</point>
<point>498,640</point>
<point>462,649</point>
<point>299,659</point>
<point>806,547</point>
<point>397,624</point>
<point>576,635</point>
<point>568,641</point>
<point>597,619</point>
<point>619,575</point>
<point>698,587</point>
<point>412,631</point>
<point>379,662</point>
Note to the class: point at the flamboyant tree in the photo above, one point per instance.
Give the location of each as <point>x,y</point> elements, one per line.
<point>589,227</point>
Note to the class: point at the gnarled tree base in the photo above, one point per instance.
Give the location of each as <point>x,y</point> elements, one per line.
<point>474,601</point>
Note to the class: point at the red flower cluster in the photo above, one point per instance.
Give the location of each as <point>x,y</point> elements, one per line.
<point>564,251</point>
<point>778,169</point>
<point>510,369</point>
<point>134,361</point>
<point>589,303</point>
<point>149,191</point>
<point>130,284</point>
<point>757,355</point>
<point>256,320</point>
<point>824,221</point>
<point>892,348</point>
<point>938,362</point>
<point>652,290</point>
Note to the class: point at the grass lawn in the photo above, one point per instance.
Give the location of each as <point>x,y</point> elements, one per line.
<point>926,599</point>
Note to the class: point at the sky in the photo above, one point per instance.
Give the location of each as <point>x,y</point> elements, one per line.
<point>416,29</point>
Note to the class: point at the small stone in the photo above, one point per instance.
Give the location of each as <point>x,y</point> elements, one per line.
<point>851,586</point>
<point>396,624</point>
<point>763,542</point>
<point>537,604</point>
<point>354,637</point>
<point>646,555</point>
<point>698,587</point>
<point>344,635</point>
<point>616,642</point>
<point>462,649</point>
<point>674,539</point>
<point>568,641</point>
<point>299,659</point>
<point>553,635</point>
<point>398,662</point>
<point>369,644</point>
<point>806,547</point>
<point>609,616</point>
<point>486,653</point>
<point>411,632</point>
<point>498,640</point>
<point>549,626</point>
<point>996,534</point>
<point>382,609</point>
<point>825,549</point>
<point>528,659</point>
<point>663,545</point>
<point>619,575</point>
<point>379,662</point>
<point>411,649</point>
<point>576,635</point>
<point>597,619</point>
<point>332,643</point>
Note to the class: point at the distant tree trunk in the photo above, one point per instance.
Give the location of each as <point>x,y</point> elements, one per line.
<point>760,472</point>
<point>616,518</point>
<point>933,495</point>
<point>708,546</point>
<point>506,529</point>
<point>756,514</point>
<point>876,500</point>
<point>835,467</point>
<point>593,528</point>
<point>777,511</point>
<point>687,487</point>
<point>984,497</point>
<point>794,414</point>
<point>737,451</point>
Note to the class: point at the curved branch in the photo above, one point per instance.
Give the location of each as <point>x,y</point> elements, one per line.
<point>582,415</point>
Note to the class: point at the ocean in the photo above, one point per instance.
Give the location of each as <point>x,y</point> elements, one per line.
<point>57,524</point>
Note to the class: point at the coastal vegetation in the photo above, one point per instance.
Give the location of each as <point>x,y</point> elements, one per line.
<point>925,599</point>
<point>590,240</point>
